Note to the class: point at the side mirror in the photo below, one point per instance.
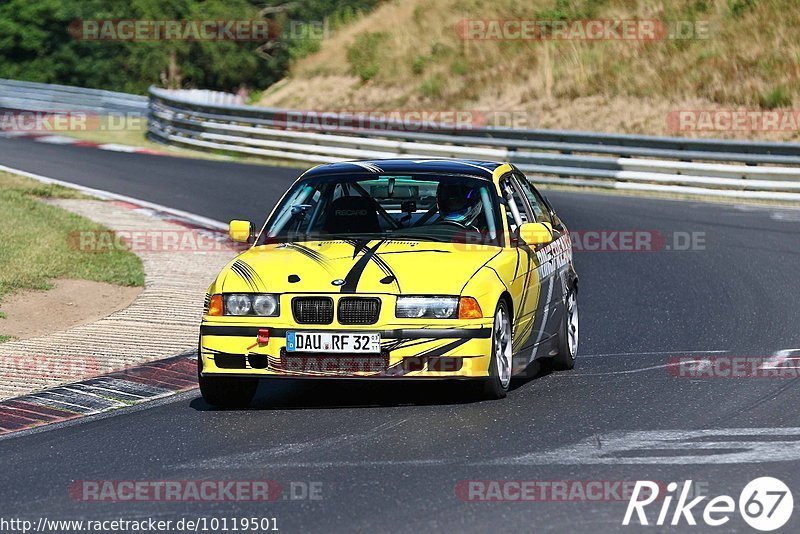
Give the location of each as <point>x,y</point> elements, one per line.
<point>535,233</point>
<point>240,231</point>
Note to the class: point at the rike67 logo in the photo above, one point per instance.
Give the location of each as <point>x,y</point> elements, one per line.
<point>765,504</point>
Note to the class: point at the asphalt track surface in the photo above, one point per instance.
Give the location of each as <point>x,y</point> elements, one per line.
<point>390,457</point>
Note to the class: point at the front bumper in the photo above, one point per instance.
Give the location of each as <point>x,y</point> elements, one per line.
<point>407,351</point>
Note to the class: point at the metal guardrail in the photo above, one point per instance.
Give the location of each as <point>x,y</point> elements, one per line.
<point>31,96</point>
<point>756,170</point>
<point>208,120</point>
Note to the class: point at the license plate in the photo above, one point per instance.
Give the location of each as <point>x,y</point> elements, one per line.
<point>366,343</point>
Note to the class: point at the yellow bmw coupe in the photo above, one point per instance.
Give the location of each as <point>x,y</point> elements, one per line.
<point>394,269</point>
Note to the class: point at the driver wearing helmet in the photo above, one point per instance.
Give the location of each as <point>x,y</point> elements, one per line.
<point>458,203</point>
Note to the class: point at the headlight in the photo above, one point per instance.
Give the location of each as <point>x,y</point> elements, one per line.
<point>245,304</point>
<point>237,304</point>
<point>265,305</point>
<point>427,307</point>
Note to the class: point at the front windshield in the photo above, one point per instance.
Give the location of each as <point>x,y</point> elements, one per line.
<point>365,206</point>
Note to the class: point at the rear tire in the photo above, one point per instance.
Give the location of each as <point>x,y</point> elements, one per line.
<point>568,335</point>
<point>500,369</point>
<point>226,392</point>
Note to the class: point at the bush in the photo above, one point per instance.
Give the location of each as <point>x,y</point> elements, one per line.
<point>432,86</point>
<point>459,67</point>
<point>363,54</point>
<point>739,7</point>
<point>779,97</point>
<point>418,64</point>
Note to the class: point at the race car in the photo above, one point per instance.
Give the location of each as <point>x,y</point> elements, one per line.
<point>394,269</point>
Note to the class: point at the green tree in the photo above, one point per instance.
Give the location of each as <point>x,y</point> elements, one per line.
<point>36,43</point>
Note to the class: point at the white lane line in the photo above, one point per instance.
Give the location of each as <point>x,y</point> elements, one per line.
<point>118,148</point>
<point>108,392</point>
<point>655,353</point>
<point>57,140</point>
<point>40,398</point>
<point>775,362</point>
<point>11,134</point>
<point>274,456</point>
<point>79,393</point>
<point>625,372</point>
<point>107,195</point>
<point>788,216</point>
<point>779,358</point>
<point>632,447</point>
<point>342,463</point>
<point>706,446</point>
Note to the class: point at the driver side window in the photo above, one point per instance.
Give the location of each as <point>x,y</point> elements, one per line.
<point>541,213</point>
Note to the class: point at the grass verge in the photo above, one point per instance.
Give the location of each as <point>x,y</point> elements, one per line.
<point>35,242</point>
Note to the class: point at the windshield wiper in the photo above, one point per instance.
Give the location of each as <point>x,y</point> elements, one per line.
<point>418,237</point>
<point>354,235</point>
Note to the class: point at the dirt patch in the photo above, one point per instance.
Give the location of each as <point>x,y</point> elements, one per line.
<point>69,303</point>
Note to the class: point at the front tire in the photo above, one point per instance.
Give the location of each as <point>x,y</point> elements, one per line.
<point>500,369</point>
<point>226,392</point>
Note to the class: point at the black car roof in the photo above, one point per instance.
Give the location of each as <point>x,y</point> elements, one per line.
<point>482,169</point>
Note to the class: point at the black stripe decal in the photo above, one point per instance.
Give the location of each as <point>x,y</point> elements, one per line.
<point>360,245</point>
<point>352,278</point>
<point>395,344</point>
<point>254,275</point>
<point>441,351</point>
<point>309,253</point>
<point>427,355</point>
<point>249,275</point>
<point>387,270</point>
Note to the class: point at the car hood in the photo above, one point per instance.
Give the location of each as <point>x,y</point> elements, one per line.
<point>375,266</point>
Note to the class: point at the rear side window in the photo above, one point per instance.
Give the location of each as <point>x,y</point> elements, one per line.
<point>541,212</point>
